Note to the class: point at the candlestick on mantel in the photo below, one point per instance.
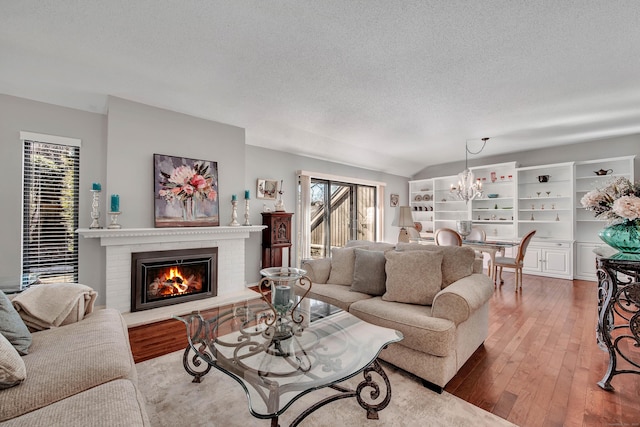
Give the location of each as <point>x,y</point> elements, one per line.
<point>95,205</point>
<point>114,220</point>
<point>234,212</point>
<point>246,210</point>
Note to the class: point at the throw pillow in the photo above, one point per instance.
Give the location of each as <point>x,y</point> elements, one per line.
<point>368,272</point>
<point>413,277</point>
<point>457,262</point>
<point>12,368</point>
<point>342,262</point>
<point>12,327</point>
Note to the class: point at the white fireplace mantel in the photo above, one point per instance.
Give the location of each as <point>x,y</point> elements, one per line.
<point>136,236</point>
<point>121,243</point>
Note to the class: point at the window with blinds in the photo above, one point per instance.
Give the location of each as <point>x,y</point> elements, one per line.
<point>51,176</point>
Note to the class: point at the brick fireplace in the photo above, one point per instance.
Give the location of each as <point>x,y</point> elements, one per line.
<point>122,243</point>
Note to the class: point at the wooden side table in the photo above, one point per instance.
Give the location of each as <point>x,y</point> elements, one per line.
<point>618,330</point>
<point>275,238</point>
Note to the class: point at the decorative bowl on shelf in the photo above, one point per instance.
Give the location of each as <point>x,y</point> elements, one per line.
<point>492,195</point>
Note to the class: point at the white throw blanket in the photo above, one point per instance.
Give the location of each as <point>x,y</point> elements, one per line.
<point>56,304</point>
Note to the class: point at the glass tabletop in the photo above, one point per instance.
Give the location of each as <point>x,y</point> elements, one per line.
<point>490,243</point>
<point>327,347</point>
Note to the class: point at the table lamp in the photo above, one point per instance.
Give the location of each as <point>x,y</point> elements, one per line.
<point>403,219</point>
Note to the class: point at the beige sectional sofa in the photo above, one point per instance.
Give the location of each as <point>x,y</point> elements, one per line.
<point>80,374</point>
<point>436,296</point>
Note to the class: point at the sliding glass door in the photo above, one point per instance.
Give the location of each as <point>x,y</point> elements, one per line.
<point>340,212</point>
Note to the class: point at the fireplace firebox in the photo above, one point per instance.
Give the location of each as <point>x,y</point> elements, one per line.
<point>162,278</point>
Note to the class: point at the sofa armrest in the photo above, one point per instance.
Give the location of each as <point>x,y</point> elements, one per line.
<point>317,269</point>
<point>459,300</point>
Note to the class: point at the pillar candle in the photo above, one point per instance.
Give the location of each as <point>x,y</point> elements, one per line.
<point>96,186</point>
<point>115,203</point>
<point>282,296</point>
<point>234,197</point>
<point>246,194</point>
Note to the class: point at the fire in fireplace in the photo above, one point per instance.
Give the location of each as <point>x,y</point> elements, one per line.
<point>163,278</point>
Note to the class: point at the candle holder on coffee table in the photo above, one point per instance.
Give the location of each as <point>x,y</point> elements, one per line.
<point>286,319</point>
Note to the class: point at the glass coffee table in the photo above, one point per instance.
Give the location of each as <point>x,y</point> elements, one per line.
<point>328,347</point>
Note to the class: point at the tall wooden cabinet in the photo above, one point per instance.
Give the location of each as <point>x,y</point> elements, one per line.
<point>276,238</point>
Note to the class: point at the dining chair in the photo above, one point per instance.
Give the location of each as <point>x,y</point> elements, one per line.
<point>515,263</point>
<point>477,234</point>
<point>447,237</point>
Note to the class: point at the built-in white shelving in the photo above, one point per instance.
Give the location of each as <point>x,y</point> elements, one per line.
<point>544,198</point>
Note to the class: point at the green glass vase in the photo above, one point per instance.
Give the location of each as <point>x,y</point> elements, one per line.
<point>624,237</point>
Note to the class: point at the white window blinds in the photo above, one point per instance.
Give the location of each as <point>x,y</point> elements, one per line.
<point>51,175</point>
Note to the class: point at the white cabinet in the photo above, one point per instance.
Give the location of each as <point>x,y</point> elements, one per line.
<point>421,196</point>
<point>586,260</point>
<point>447,207</point>
<point>549,258</point>
<point>545,201</point>
<point>544,198</point>
<point>495,210</point>
<point>587,225</point>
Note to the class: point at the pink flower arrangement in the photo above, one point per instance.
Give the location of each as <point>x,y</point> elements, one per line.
<point>618,202</point>
<point>186,182</point>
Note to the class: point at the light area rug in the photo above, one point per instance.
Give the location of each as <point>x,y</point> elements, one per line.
<point>173,400</point>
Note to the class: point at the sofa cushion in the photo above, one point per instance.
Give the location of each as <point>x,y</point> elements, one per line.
<point>116,403</point>
<point>369,272</point>
<point>342,262</point>
<point>422,331</point>
<point>457,262</point>
<point>67,360</point>
<point>12,369</point>
<point>338,295</point>
<point>413,277</point>
<point>12,326</point>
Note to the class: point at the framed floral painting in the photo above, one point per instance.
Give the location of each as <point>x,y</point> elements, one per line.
<point>185,192</point>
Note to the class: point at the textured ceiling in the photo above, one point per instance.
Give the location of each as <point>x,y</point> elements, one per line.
<point>388,85</point>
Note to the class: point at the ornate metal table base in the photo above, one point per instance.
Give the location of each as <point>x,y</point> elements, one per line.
<point>369,405</point>
<point>618,315</point>
<point>199,368</point>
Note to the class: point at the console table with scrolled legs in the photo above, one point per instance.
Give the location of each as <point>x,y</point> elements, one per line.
<point>618,330</point>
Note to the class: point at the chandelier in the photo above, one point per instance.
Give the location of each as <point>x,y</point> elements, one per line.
<point>468,187</point>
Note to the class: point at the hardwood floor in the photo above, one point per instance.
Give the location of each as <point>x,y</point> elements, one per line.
<point>539,366</point>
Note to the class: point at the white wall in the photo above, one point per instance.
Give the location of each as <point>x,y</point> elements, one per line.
<point>265,163</point>
<point>136,132</point>
<point>17,114</point>
<point>117,151</point>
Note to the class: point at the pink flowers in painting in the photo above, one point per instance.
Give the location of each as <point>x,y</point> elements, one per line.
<point>185,182</point>
<point>618,202</point>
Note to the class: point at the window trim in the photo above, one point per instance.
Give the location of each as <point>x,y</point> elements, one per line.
<point>45,139</point>
<point>380,197</point>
